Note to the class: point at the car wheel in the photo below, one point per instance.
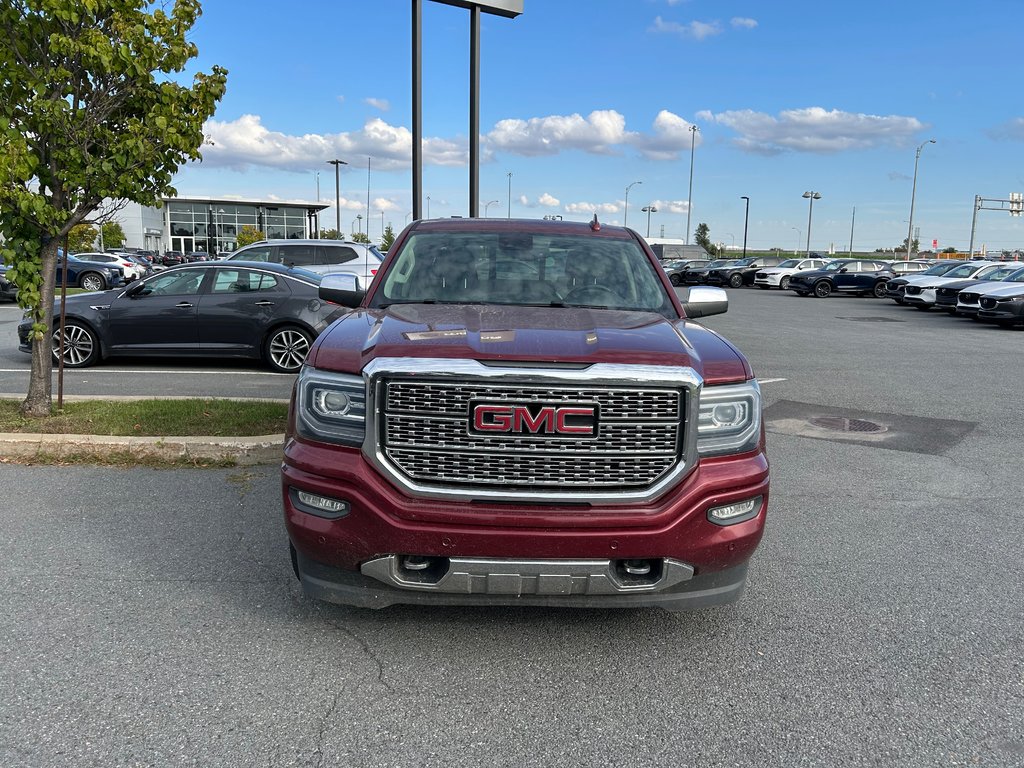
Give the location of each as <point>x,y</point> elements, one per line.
<point>286,348</point>
<point>879,290</point>
<point>784,283</point>
<point>822,289</point>
<point>91,281</point>
<point>81,347</point>
<point>735,281</point>
<point>675,280</point>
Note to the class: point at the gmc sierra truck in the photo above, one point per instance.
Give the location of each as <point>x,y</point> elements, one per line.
<point>523,413</point>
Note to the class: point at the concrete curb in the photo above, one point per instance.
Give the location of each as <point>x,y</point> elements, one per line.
<point>244,451</point>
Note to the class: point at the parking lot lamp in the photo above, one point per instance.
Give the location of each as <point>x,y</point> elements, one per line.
<point>913,192</point>
<point>625,214</point>
<point>811,197</point>
<point>649,209</point>
<point>337,194</point>
<point>689,195</point>
<point>799,237</point>
<point>746,218</point>
<point>510,194</point>
<point>359,218</point>
<point>487,205</point>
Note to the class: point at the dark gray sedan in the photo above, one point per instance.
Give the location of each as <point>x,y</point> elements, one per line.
<point>218,309</point>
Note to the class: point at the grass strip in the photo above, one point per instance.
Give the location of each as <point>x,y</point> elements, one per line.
<point>155,418</point>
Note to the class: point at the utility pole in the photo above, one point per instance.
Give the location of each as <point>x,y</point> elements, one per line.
<point>337,195</point>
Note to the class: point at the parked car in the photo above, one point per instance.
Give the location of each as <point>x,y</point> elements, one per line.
<point>322,256</point>
<point>912,267</point>
<point>948,296</point>
<point>968,300</point>
<point>858,276</point>
<point>699,275</point>
<point>89,275</point>
<point>172,258</point>
<point>778,276</point>
<point>675,269</point>
<point>741,272</point>
<point>895,288</point>
<point>131,269</point>
<point>8,290</point>
<point>920,291</point>
<point>192,256</point>
<point>1004,306</point>
<point>207,309</point>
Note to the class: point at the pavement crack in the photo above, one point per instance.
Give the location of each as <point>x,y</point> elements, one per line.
<point>318,750</point>
<point>367,651</point>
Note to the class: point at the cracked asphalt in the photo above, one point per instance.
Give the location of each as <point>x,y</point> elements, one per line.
<point>150,617</point>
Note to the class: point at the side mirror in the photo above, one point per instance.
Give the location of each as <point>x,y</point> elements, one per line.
<point>842,271</point>
<point>702,301</point>
<point>343,289</point>
<point>135,289</point>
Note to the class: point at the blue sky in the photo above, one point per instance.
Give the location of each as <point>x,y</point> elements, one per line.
<point>581,98</point>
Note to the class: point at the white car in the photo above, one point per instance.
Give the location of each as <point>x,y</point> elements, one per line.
<point>921,291</point>
<point>325,257</point>
<point>968,301</point>
<point>778,277</point>
<point>132,270</point>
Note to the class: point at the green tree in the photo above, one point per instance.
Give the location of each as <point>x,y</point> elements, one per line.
<point>902,247</point>
<point>90,110</point>
<point>113,234</point>
<point>388,238</point>
<point>248,235</point>
<point>329,234</point>
<point>360,237</point>
<point>82,237</point>
<point>703,238</point>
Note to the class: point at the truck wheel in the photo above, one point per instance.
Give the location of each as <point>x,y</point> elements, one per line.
<point>822,289</point>
<point>784,283</point>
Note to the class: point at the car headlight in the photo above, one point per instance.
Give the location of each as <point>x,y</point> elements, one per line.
<point>729,419</point>
<point>331,407</point>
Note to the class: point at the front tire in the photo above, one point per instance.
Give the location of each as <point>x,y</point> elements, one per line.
<point>784,283</point>
<point>91,281</point>
<point>823,289</point>
<point>735,281</point>
<point>286,348</point>
<point>675,280</point>
<point>81,347</point>
<point>879,291</point>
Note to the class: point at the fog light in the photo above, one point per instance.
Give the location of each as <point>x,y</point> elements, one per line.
<point>322,505</point>
<point>734,513</point>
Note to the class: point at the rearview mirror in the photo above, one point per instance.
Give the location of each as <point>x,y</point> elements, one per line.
<point>702,301</point>
<point>343,289</point>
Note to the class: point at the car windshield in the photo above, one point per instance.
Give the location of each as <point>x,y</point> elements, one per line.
<point>964,270</point>
<point>789,263</point>
<point>1015,277</point>
<point>742,262</point>
<point>939,269</point>
<point>717,263</point>
<point>523,268</point>
<point>375,253</point>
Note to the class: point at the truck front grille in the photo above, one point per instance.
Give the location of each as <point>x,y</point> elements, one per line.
<point>426,432</point>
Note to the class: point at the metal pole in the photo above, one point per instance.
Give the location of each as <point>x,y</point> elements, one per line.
<point>913,192</point>
<point>649,221</point>
<point>625,214</point>
<point>974,221</point>
<point>318,201</point>
<point>63,299</point>
<point>810,211</point>
<point>746,219</point>
<point>852,220</point>
<point>510,194</point>
<point>337,195</point>
<point>474,112</point>
<point>417,109</point>
<point>367,198</point>
<point>689,195</point>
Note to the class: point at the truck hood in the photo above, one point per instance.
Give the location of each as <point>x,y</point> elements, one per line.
<point>542,335</point>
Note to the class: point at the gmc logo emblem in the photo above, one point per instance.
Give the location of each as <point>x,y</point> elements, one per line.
<point>534,418</point>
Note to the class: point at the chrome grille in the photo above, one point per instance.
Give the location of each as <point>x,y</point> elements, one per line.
<point>424,431</point>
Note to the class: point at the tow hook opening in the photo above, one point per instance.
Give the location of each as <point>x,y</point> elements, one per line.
<point>638,572</point>
<point>422,569</point>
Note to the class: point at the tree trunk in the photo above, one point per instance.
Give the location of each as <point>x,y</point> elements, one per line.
<point>39,400</point>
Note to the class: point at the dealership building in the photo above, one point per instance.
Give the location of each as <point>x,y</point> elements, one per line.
<point>210,224</point>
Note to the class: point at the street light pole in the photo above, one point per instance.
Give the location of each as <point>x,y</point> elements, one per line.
<point>367,197</point>
<point>799,237</point>
<point>337,195</point>
<point>913,192</point>
<point>487,205</point>
<point>625,214</point>
<point>359,218</point>
<point>510,194</point>
<point>649,209</point>
<point>689,195</point>
<point>746,218</point>
<point>853,220</point>
<point>811,197</point>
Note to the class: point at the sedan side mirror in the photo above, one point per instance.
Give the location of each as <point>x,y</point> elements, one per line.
<point>843,270</point>
<point>343,289</point>
<point>702,301</point>
<point>136,289</point>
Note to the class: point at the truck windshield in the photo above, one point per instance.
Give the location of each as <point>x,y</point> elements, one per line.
<point>522,268</point>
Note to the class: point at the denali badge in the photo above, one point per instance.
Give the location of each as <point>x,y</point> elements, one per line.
<point>578,419</point>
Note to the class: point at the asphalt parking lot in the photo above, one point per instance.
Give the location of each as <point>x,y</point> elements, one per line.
<point>151,617</point>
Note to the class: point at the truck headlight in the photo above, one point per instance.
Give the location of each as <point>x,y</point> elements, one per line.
<point>729,419</point>
<point>331,407</point>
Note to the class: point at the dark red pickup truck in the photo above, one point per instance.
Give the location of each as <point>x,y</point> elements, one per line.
<point>521,413</point>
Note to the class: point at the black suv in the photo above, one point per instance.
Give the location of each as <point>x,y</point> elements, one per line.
<point>742,271</point>
<point>676,269</point>
<point>861,277</point>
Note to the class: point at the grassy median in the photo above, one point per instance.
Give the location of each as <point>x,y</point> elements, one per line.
<point>157,418</point>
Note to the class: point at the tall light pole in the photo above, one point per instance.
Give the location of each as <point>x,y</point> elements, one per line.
<point>853,220</point>
<point>689,195</point>
<point>799,237</point>
<point>367,197</point>
<point>510,194</point>
<point>625,214</point>
<point>318,200</point>
<point>337,195</point>
<point>487,205</point>
<point>811,197</point>
<point>913,192</point>
<point>746,218</point>
<point>428,206</point>
<point>359,218</point>
<point>649,209</point>
<point>407,217</point>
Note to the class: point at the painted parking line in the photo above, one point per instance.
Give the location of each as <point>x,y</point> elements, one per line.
<point>769,381</point>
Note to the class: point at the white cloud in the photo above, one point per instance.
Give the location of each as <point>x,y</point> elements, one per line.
<point>740,22</point>
<point>670,206</point>
<point>590,208</point>
<point>246,142</point>
<point>671,134</point>
<point>1012,130</point>
<point>597,133</point>
<point>382,104</point>
<point>815,130</point>
<point>526,202</point>
<point>695,30</point>
<point>548,200</point>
